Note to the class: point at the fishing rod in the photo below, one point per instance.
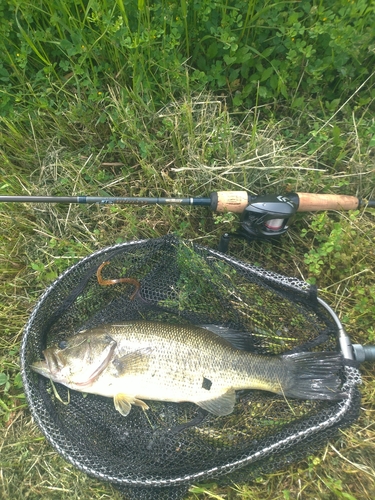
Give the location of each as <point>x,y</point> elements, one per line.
<point>221,201</point>
<point>261,217</point>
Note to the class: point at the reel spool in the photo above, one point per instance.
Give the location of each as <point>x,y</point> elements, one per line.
<point>267,217</point>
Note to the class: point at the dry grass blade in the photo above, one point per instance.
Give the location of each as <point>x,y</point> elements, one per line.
<point>189,147</point>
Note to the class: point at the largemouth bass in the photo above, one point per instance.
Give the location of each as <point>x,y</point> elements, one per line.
<point>142,360</point>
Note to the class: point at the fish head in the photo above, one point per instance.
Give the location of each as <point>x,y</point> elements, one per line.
<point>77,361</point>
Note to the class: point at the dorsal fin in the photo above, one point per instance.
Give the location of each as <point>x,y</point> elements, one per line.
<point>237,338</point>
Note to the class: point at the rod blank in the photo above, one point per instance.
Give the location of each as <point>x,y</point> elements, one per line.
<point>107,200</point>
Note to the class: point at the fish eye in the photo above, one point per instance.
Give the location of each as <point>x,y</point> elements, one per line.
<point>63,344</point>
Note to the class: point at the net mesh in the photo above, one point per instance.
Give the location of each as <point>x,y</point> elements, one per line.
<point>161,452</point>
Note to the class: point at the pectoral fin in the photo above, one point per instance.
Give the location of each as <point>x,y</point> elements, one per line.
<point>133,362</point>
<point>222,405</point>
<point>123,403</point>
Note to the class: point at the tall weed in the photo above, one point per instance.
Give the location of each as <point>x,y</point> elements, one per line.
<point>57,50</point>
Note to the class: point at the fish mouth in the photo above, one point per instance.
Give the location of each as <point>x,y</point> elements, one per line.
<point>41,367</point>
<point>49,366</point>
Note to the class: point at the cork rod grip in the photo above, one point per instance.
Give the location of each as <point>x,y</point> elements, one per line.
<point>229,201</point>
<point>309,202</point>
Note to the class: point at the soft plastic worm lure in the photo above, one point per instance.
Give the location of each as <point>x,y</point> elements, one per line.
<point>106,282</point>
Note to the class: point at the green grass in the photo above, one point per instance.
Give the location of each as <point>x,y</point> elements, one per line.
<point>160,99</point>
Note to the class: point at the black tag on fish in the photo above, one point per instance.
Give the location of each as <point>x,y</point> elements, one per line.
<point>206,384</point>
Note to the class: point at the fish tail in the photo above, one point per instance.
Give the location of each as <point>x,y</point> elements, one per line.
<point>313,375</point>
